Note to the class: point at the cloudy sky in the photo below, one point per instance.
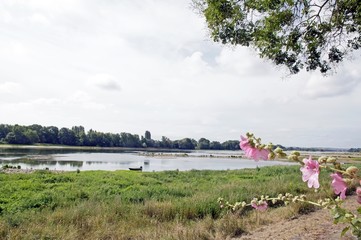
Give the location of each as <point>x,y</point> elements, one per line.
<point>131,66</point>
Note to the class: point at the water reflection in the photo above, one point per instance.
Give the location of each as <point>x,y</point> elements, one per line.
<point>121,160</point>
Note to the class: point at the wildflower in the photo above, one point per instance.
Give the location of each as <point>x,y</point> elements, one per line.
<point>358,192</point>
<point>339,185</point>
<point>253,152</point>
<point>261,205</point>
<point>310,172</point>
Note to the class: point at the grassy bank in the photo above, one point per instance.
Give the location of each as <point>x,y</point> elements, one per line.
<point>141,205</point>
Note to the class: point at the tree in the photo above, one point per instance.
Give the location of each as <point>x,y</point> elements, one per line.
<point>186,143</point>
<point>130,140</point>
<point>231,145</point>
<point>51,135</point>
<point>31,136</point>
<point>203,143</point>
<point>214,145</point>
<point>4,130</point>
<point>166,142</point>
<point>147,135</point>
<point>80,135</point>
<point>67,137</point>
<point>21,135</point>
<point>315,34</point>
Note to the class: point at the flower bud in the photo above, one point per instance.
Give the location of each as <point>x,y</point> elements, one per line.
<point>293,157</point>
<point>352,170</point>
<point>337,165</point>
<point>331,159</point>
<point>274,201</point>
<point>269,147</point>
<point>278,150</point>
<point>296,153</point>
<point>271,155</point>
<point>322,159</point>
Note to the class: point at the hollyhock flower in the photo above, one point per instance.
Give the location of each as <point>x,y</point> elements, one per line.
<point>252,152</point>
<point>339,185</point>
<point>310,172</point>
<point>261,206</point>
<point>358,192</point>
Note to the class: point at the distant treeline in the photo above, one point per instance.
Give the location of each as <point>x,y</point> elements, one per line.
<point>77,136</point>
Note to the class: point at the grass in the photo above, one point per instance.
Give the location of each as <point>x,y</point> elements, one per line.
<point>142,205</point>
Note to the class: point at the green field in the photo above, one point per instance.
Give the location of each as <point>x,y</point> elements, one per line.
<point>142,205</point>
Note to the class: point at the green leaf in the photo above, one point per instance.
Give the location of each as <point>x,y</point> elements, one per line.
<point>344,231</point>
<point>359,210</point>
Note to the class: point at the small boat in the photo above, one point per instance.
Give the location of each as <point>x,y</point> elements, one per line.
<point>136,169</point>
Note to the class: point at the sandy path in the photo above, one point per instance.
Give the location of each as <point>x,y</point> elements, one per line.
<point>316,225</point>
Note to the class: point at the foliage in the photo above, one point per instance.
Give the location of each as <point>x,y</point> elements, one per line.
<point>294,33</point>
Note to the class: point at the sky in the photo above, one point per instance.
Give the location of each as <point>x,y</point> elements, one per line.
<point>131,66</point>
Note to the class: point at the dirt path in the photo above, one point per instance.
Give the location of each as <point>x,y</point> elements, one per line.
<point>317,225</point>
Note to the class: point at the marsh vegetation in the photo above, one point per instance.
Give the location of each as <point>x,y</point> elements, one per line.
<point>142,205</point>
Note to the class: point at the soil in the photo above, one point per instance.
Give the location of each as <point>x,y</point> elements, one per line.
<point>316,225</point>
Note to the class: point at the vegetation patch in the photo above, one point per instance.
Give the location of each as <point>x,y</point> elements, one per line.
<point>140,205</point>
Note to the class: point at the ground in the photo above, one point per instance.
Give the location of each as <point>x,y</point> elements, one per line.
<point>316,225</point>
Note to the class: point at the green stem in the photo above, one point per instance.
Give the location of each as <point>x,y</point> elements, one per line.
<point>334,169</point>
<point>300,200</point>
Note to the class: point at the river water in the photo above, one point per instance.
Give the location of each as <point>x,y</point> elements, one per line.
<point>70,160</point>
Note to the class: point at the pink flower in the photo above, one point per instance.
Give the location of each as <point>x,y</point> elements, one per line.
<point>338,185</point>
<point>260,206</point>
<point>252,152</point>
<point>358,192</point>
<point>310,172</point>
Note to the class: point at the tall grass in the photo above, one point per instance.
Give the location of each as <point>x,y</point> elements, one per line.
<point>141,205</point>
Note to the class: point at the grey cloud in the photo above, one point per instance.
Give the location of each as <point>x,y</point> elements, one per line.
<point>337,85</point>
<point>106,82</point>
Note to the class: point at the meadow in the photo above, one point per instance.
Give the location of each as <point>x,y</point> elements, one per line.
<point>144,205</point>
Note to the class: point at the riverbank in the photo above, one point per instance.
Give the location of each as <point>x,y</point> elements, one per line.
<point>143,205</point>
<point>26,171</point>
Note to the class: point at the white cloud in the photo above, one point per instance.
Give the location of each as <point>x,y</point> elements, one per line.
<point>335,85</point>
<point>149,65</point>
<point>9,87</point>
<point>38,18</point>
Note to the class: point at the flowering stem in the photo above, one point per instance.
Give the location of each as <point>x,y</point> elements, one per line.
<point>335,169</point>
<point>298,199</point>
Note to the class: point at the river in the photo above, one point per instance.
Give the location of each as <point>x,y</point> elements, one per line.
<point>71,160</point>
